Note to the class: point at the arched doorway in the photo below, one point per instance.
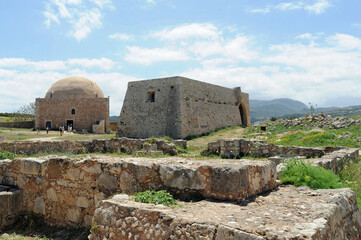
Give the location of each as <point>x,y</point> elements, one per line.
<point>243,114</point>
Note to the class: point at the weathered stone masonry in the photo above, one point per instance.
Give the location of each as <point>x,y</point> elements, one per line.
<point>66,191</point>
<point>332,158</point>
<point>179,107</point>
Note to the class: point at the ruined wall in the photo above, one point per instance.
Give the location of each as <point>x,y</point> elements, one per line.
<point>288,213</point>
<point>179,107</point>
<point>25,124</point>
<point>66,191</point>
<point>112,145</point>
<point>87,112</point>
<point>332,158</point>
<point>11,205</point>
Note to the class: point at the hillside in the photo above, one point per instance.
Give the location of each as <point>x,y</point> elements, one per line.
<point>262,110</point>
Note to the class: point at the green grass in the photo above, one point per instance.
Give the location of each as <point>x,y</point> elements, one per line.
<point>299,173</point>
<point>351,177</point>
<point>308,137</point>
<point>6,155</point>
<point>159,197</point>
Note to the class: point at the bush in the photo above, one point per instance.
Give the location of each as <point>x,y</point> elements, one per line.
<point>7,155</point>
<point>351,177</point>
<point>299,173</point>
<point>159,197</point>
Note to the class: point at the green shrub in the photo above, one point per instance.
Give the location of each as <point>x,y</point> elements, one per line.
<point>7,155</point>
<point>159,197</point>
<point>299,173</point>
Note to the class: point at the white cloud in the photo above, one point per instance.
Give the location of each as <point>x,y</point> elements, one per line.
<point>311,6</point>
<point>289,6</point>
<point>148,56</point>
<point>102,63</point>
<point>121,36</point>
<point>261,10</point>
<point>196,30</point>
<point>83,16</point>
<point>345,41</point>
<point>318,7</point>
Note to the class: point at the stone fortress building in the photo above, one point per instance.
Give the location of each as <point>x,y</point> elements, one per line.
<point>179,107</point>
<point>74,101</point>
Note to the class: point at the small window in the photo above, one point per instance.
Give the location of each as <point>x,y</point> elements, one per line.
<point>73,111</point>
<point>51,95</point>
<point>151,96</point>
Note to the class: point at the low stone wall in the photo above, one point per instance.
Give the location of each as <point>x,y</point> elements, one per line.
<point>26,124</point>
<point>288,213</point>
<point>113,126</point>
<point>113,145</point>
<point>11,205</point>
<point>237,148</point>
<point>66,191</point>
<point>332,158</point>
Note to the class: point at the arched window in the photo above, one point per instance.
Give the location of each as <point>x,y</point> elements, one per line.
<point>73,111</point>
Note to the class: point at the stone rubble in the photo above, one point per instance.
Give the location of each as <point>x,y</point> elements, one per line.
<point>318,121</point>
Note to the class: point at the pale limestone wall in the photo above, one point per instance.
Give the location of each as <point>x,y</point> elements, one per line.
<point>87,112</point>
<point>66,191</point>
<point>288,213</point>
<point>181,107</point>
<point>142,118</point>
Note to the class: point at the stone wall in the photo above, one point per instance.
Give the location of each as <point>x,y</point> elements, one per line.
<point>124,145</point>
<point>11,205</point>
<point>332,158</point>
<point>236,148</point>
<point>288,213</point>
<point>88,111</point>
<point>179,107</point>
<point>25,124</point>
<point>66,191</point>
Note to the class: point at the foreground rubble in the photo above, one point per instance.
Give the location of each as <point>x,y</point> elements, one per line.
<point>287,213</point>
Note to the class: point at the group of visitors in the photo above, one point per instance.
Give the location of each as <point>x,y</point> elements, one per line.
<point>63,129</point>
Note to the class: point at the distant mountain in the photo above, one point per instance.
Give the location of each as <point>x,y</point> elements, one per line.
<point>341,111</point>
<point>113,119</point>
<point>262,110</point>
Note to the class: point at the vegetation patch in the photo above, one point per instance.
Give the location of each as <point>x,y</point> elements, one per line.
<point>299,173</point>
<point>156,197</point>
<point>7,155</point>
<point>351,177</point>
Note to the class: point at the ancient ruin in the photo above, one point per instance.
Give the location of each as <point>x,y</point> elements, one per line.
<point>179,107</point>
<point>76,102</point>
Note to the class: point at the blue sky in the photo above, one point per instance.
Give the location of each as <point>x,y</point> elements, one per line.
<point>309,50</point>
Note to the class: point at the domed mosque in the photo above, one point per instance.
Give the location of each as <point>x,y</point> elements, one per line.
<point>73,101</point>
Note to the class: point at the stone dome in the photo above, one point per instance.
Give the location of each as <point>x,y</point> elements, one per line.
<point>74,87</point>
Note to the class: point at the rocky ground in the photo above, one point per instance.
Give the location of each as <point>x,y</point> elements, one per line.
<point>318,121</point>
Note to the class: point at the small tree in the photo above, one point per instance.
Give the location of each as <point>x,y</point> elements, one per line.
<point>25,113</point>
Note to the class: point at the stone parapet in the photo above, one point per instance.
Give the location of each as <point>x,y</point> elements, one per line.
<point>288,213</point>
<point>125,145</point>
<point>65,191</point>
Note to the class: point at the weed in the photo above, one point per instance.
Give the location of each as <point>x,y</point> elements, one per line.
<point>299,173</point>
<point>7,155</point>
<point>159,197</point>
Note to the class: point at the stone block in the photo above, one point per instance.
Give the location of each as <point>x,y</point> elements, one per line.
<point>39,206</point>
<point>31,166</point>
<point>180,177</point>
<point>107,182</point>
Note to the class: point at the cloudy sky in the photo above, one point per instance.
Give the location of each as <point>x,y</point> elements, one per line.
<point>309,50</point>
